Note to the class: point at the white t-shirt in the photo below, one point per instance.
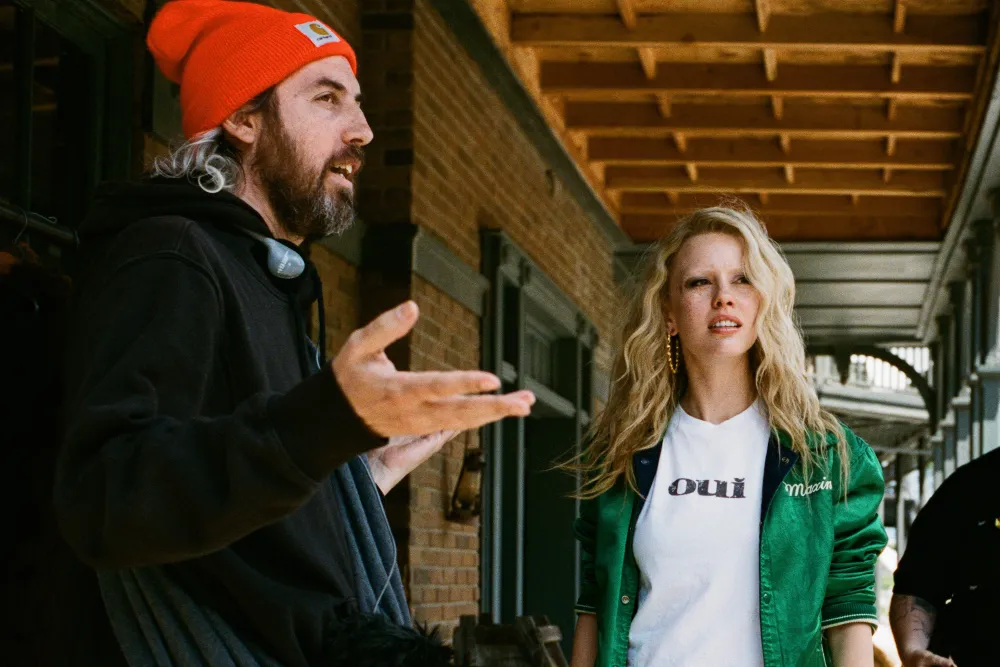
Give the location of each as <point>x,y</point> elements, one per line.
<point>697,545</point>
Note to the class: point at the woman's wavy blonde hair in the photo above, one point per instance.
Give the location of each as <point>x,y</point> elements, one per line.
<point>644,392</point>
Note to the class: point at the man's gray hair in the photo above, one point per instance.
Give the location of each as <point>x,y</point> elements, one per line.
<point>208,158</point>
<point>205,159</point>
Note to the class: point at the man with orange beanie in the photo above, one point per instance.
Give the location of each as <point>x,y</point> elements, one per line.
<point>220,476</point>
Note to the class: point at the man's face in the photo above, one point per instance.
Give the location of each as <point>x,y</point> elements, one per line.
<point>310,149</point>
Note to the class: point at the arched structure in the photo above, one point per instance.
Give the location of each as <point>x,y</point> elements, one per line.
<point>842,353</point>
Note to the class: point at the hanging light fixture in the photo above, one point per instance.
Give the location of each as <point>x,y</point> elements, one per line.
<point>466,501</point>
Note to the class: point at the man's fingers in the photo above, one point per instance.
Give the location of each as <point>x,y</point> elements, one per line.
<point>469,412</point>
<point>430,385</point>
<point>383,331</point>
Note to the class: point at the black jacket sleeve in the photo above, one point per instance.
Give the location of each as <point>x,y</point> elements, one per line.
<point>142,477</point>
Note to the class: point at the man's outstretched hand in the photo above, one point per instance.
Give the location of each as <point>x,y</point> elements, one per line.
<point>394,403</point>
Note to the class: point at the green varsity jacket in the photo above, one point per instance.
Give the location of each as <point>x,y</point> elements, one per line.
<point>817,553</point>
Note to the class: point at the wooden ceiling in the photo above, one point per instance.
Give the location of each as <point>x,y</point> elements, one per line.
<point>837,120</point>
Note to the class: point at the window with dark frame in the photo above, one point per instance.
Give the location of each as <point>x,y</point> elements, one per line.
<point>65,76</point>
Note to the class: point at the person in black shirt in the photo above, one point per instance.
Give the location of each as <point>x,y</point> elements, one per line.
<point>946,600</point>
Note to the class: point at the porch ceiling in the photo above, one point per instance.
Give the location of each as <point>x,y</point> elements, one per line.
<point>839,121</point>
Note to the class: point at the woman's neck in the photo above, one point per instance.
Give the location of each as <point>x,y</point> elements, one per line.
<point>720,392</point>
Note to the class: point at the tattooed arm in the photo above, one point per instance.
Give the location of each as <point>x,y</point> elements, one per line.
<point>912,621</point>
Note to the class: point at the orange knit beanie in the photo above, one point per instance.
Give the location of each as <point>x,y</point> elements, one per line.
<point>225,53</point>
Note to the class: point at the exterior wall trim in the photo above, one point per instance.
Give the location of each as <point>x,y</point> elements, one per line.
<point>437,264</point>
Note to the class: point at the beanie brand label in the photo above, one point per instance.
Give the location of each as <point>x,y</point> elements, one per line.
<point>318,33</point>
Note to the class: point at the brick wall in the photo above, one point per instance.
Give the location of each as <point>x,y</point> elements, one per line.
<point>340,297</point>
<point>475,168</point>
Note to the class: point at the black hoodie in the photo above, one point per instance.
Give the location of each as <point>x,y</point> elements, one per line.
<point>197,438</point>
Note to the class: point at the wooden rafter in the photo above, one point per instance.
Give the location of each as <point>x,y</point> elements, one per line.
<point>770,64</point>
<point>654,179</point>
<point>644,228</point>
<point>836,145</point>
<point>838,33</point>
<point>627,13</point>
<point>784,205</point>
<point>663,102</point>
<point>621,81</point>
<point>799,121</point>
<point>762,10</point>
<point>648,59</point>
<point>750,153</point>
<point>899,17</point>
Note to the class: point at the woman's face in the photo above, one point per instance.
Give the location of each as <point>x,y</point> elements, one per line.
<point>712,306</point>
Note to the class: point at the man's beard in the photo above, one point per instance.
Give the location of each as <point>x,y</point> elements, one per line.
<point>298,195</point>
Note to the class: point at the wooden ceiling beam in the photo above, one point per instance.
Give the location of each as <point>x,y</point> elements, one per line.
<point>622,81</point>
<point>648,60</point>
<point>680,140</point>
<point>663,102</point>
<point>897,68</point>
<point>645,228</point>
<point>762,10</point>
<point>770,64</point>
<point>784,204</point>
<point>873,154</point>
<point>627,13</point>
<point>812,181</point>
<point>800,120</point>
<point>692,171</point>
<point>899,17</point>
<point>778,107</point>
<point>842,32</point>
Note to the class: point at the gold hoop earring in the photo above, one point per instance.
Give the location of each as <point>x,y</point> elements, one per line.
<point>674,354</point>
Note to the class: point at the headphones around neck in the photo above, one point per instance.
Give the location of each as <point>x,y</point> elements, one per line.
<point>282,261</point>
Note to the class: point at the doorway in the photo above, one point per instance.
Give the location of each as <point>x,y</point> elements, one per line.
<point>534,338</point>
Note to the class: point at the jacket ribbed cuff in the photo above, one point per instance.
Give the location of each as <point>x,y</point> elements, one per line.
<point>849,612</point>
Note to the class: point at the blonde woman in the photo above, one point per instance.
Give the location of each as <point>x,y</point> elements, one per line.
<point>728,520</point>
